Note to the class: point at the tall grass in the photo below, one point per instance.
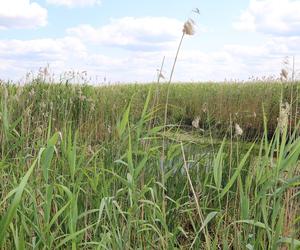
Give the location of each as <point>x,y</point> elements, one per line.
<point>94,110</point>
<point>78,173</point>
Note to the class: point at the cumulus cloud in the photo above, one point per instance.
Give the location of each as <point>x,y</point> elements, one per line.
<point>231,62</point>
<point>275,17</point>
<point>74,3</point>
<point>145,45</point>
<point>41,49</point>
<point>21,56</point>
<point>21,14</point>
<point>146,33</point>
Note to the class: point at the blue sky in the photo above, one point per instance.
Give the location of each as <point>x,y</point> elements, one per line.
<point>125,41</point>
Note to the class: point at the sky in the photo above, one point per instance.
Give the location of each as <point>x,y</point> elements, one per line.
<point>126,41</point>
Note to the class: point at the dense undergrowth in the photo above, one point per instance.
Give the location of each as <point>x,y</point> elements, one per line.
<point>94,110</point>
<point>82,168</point>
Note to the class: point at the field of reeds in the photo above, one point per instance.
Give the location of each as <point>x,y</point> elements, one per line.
<point>86,167</point>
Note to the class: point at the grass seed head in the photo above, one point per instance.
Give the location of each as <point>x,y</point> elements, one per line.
<point>284,74</point>
<point>43,105</point>
<point>195,122</point>
<point>205,107</point>
<point>39,131</point>
<point>92,106</point>
<point>189,27</point>
<point>238,130</point>
<point>283,118</point>
<point>31,93</point>
<point>109,129</point>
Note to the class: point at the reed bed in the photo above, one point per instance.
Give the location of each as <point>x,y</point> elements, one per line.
<point>80,167</point>
<point>95,110</point>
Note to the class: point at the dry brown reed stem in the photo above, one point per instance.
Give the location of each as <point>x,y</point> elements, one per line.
<point>168,93</point>
<point>151,124</point>
<point>188,29</point>
<point>155,100</point>
<point>230,165</point>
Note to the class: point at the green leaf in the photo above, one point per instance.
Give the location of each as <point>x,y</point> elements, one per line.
<point>12,210</point>
<point>48,155</point>
<point>236,173</point>
<point>291,241</point>
<point>208,218</point>
<point>218,166</point>
<point>143,116</point>
<point>254,223</point>
<point>140,166</point>
<point>123,123</point>
<point>73,235</point>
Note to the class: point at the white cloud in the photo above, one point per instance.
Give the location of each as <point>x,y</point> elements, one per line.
<point>21,14</point>
<point>21,56</point>
<point>276,17</point>
<point>146,33</point>
<point>74,3</point>
<point>41,49</point>
<point>233,61</point>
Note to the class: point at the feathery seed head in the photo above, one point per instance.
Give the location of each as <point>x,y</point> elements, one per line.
<point>238,130</point>
<point>195,122</point>
<point>189,27</point>
<point>31,93</point>
<point>283,118</point>
<point>109,129</point>
<point>92,106</point>
<point>284,74</point>
<point>39,130</point>
<point>43,105</point>
<point>204,107</point>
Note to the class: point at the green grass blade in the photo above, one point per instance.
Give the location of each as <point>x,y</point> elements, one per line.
<point>236,173</point>
<point>12,210</point>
